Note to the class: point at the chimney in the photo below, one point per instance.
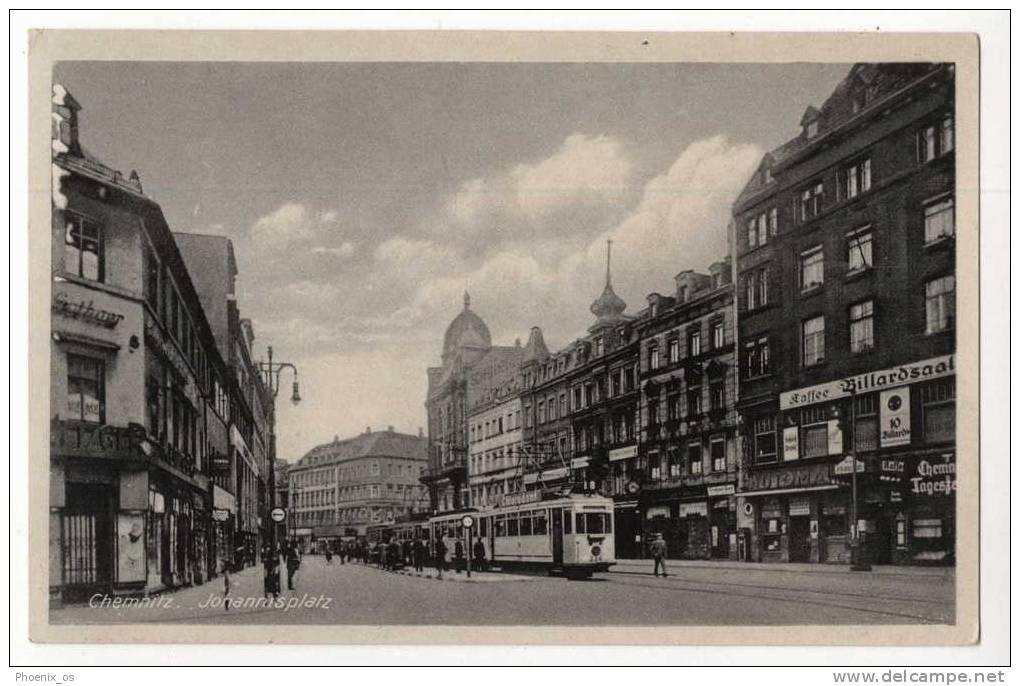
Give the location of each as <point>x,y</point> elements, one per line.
<point>65,133</point>
<point>390,428</point>
<point>421,432</point>
<point>336,438</point>
<point>368,429</point>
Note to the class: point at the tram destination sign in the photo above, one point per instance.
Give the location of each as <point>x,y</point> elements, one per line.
<point>867,382</point>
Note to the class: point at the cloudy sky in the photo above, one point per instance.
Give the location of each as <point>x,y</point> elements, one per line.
<point>363,199</point>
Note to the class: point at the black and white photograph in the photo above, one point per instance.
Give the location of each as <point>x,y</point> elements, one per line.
<point>651,345</point>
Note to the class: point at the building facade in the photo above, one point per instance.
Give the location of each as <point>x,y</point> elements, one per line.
<point>471,367</point>
<point>338,489</point>
<point>137,419</point>
<point>688,459</point>
<point>494,440</point>
<point>845,255</point>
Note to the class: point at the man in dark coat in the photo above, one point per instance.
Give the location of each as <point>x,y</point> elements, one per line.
<point>440,554</point>
<point>293,556</point>
<point>418,554</point>
<point>479,555</point>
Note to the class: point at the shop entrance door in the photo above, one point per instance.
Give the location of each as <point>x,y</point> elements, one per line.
<point>86,535</point>
<point>800,539</point>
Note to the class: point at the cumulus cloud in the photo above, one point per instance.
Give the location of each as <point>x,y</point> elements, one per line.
<point>344,250</point>
<point>290,223</point>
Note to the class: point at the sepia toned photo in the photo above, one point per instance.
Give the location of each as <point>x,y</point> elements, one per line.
<point>391,346</point>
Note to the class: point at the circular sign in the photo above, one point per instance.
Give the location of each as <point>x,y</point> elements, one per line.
<point>468,521</point>
<point>278,514</point>
<point>633,487</point>
<point>748,509</point>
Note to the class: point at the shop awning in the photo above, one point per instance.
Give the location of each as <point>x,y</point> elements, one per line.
<point>779,491</point>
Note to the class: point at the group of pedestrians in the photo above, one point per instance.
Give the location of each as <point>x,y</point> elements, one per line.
<point>290,551</point>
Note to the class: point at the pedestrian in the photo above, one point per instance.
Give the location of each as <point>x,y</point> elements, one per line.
<point>418,554</point>
<point>394,555</point>
<point>293,557</point>
<point>458,555</point>
<point>329,554</point>
<point>479,555</point>
<point>226,586</point>
<point>658,549</point>
<point>405,550</point>
<point>440,553</point>
<point>271,576</point>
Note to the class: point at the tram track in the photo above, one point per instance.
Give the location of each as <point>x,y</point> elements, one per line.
<point>791,596</point>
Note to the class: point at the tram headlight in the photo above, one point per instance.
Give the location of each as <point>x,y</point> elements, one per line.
<point>596,551</point>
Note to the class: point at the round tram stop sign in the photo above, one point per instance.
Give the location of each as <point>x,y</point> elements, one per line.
<point>278,514</point>
<point>468,521</point>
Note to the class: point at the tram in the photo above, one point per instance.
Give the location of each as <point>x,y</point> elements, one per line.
<point>568,534</point>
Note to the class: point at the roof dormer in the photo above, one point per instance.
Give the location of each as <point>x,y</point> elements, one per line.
<point>810,121</point>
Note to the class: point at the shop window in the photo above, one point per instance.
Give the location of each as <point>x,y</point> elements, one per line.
<point>83,247</point>
<point>834,523</point>
<point>812,268</point>
<point>939,220</point>
<point>940,304</point>
<point>86,388</point>
<point>765,440</point>
<point>771,537</point>
<point>938,400</point>
<point>927,528</point>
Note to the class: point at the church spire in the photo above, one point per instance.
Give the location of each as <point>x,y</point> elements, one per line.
<point>467,301</point>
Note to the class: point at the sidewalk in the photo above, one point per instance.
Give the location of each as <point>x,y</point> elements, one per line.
<point>646,567</point>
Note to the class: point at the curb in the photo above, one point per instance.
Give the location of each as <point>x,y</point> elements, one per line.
<point>752,566</point>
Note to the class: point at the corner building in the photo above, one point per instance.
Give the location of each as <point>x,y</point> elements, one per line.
<point>845,252</point>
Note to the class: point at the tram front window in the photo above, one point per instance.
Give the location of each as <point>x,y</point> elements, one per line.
<point>597,523</point>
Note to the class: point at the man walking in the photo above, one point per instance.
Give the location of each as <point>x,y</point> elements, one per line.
<point>440,556</point>
<point>293,557</point>
<point>658,550</point>
<point>418,553</point>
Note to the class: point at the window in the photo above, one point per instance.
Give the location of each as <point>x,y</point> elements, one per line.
<point>83,248</point>
<point>813,341</point>
<point>675,464</point>
<point>773,222</point>
<point>812,268</point>
<point>653,412</point>
<point>539,527</point>
<point>862,329</point>
<point>86,389</point>
<point>927,528</point>
<point>694,399</point>
<point>653,357</point>
<point>858,250</point>
<point>857,179</point>
<point>598,346</point>
<point>673,407</point>
<point>752,240</point>
<point>938,400</point>
<point>757,360</point>
<point>151,279</point>
<point>674,350</point>
<point>763,228</point>
<point>939,220</point>
<point>693,342</point>
<point>811,201</point>
<point>694,459</point>
<point>814,432</point>
<point>811,128</point>
<point>541,412</point>
<point>940,304</point>
<point>718,334</point>
<point>717,395</point>
<point>654,466</point>
<point>936,139</point>
<point>756,288</point>
<point>718,455</point>
<point>866,423</point>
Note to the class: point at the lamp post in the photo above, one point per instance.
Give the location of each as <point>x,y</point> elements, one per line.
<point>271,374</point>
<point>857,561</point>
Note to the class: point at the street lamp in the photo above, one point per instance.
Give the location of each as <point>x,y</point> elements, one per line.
<point>858,563</point>
<point>271,374</point>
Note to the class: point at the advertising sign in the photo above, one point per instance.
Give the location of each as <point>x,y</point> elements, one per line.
<point>894,417</point>
<point>130,547</point>
<point>802,476</point>
<point>278,514</point>
<point>934,477</point>
<point>791,443</point>
<point>623,453</point>
<point>925,370</point>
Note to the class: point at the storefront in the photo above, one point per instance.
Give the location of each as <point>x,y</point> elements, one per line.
<point>697,523</point>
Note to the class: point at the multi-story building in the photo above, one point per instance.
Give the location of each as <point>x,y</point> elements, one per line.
<point>471,366</point>
<point>687,466</point>
<point>240,495</point>
<point>845,255</point>
<point>494,440</point>
<point>339,489</point>
<point>136,393</point>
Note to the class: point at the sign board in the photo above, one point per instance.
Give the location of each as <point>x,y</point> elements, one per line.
<point>716,491</point>
<point>914,372</point>
<point>791,443</point>
<point>800,507</point>
<point>83,439</point>
<point>623,453</point>
<point>692,510</point>
<point>278,514</point>
<point>894,417</point>
<point>220,515</point>
<point>835,437</point>
<point>467,521</point>
<point>800,476</point>
<point>846,466</point>
<point>934,477</point>
<point>520,498</point>
<point>579,462</point>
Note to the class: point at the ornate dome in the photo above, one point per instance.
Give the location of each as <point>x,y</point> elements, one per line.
<point>467,330</point>
<point>609,307</point>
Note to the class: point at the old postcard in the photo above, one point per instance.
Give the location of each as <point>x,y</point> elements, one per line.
<point>494,338</point>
